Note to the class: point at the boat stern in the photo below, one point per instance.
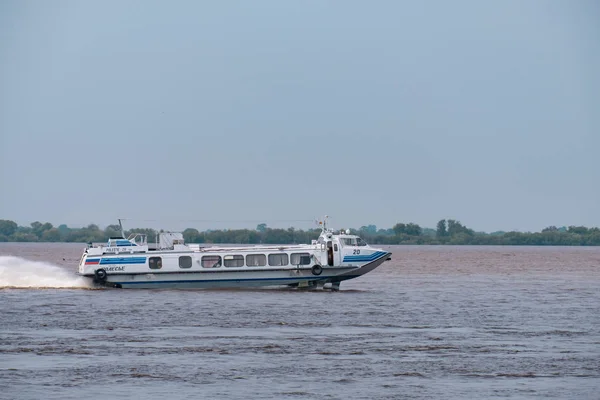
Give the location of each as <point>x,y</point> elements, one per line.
<point>88,264</point>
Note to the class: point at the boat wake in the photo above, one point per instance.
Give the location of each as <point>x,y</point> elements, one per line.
<point>16,272</point>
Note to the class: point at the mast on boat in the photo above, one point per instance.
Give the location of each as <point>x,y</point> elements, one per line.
<point>122,231</point>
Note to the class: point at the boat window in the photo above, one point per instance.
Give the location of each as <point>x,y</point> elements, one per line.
<point>234,261</point>
<point>360,242</point>
<point>155,262</point>
<point>349,241</point>
<point>278,259</point>
<point>211,261</point>
<point>300,259</point>
<point>256,260</point>
<point>185,262</point>
<point>335,247</point>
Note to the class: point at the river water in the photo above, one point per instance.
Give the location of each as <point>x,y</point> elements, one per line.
<point>434,322</point>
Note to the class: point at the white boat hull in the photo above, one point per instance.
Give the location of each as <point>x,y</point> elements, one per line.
<point>131,263</point>
<point>301,277</point>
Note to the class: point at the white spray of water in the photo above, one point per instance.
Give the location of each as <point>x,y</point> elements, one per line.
<point>18,272</point>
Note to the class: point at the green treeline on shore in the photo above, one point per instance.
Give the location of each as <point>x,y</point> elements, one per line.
<point>447,232</point>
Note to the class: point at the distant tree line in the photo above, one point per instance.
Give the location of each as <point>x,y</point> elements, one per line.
<point>447,232</point>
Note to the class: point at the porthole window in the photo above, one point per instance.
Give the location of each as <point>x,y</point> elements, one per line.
<point>185,262</point>
<point>155,262</point>
<point>234,261</point>
<point>211,261</point>
<point>256,260</point>
<point>278,259</point>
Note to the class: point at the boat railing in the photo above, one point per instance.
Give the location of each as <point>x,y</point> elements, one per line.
<point>256,248</point>
<point>141,239</point>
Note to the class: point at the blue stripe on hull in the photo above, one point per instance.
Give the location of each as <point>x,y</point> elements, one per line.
<point>130,260</point>
<point>365,258</point>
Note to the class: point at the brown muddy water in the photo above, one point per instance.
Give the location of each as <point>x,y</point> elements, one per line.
<point>435,322</point>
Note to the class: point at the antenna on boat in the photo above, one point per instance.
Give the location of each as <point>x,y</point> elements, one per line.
<point>323,223</point>
<point>122,231</point>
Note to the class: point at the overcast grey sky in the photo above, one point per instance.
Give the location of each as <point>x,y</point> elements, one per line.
<point>372,112</point>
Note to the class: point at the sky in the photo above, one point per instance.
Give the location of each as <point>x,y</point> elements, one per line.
<point>212,114</point>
